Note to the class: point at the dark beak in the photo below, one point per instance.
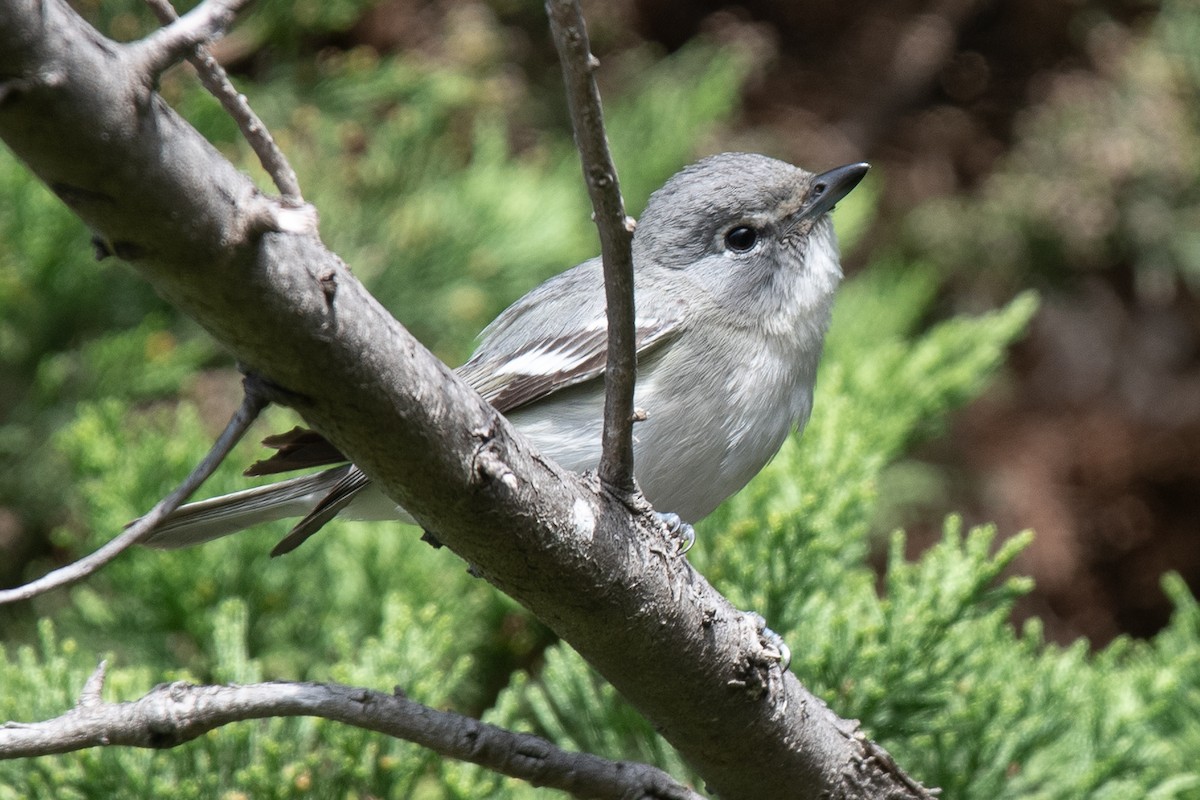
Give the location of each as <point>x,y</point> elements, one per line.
<point>830,187</point>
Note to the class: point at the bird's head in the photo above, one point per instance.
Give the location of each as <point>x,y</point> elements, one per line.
<point>751,231</point>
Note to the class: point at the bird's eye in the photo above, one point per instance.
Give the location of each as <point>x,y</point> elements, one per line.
<point>741,238</point>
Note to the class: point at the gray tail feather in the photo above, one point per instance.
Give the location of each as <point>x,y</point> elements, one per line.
<point>210,519</point>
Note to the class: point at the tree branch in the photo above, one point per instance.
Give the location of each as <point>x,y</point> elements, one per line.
<point>169,45</point>
<point>603,579</point>
<point>253,403</point>
<point>616,236</point>
<point>213,77</point>
<point>172,714</point>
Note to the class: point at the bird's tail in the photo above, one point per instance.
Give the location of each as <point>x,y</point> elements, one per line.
<point>206,520</point>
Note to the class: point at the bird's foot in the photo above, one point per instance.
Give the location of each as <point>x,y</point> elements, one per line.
<point>679,529</point>
<point>773,645</point>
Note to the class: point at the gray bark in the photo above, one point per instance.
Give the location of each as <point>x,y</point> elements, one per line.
<point>80,111</point>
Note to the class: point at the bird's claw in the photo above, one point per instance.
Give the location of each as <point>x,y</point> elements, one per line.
<point>676,527</point>
<point>775,647</point>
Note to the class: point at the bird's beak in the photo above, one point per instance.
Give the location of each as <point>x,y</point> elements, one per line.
<point>830,187</point>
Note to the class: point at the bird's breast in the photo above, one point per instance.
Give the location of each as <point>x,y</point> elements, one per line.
<point>716,414</point>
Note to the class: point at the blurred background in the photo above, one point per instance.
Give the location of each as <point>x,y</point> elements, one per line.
<point>1052,144</point>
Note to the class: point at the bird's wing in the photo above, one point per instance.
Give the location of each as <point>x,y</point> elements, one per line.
<point>548,364</point>
<point>554,337</point>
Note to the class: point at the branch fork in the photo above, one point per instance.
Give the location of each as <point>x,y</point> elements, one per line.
<point>169,45</point>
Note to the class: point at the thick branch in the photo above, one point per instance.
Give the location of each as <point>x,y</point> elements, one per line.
<point>616,237</point>
<point>75,111</point>
<point>172,714</point>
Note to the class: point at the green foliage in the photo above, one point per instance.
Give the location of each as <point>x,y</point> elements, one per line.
<point>70,328</point>
<point>278,758</point>
<point>929,663</point>
<point>1103,172</point>
<point>412,169</point>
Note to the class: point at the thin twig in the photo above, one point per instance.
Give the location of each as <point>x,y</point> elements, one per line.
<point>616,236</point>
<point>253,403</point>
<point>171,714</point>
<point>216,81</point>
<point>166,46</point>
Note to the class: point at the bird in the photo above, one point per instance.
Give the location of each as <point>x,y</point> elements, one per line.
<point>736,265</point>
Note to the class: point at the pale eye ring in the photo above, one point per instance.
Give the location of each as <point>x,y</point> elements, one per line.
<point>741,238</point>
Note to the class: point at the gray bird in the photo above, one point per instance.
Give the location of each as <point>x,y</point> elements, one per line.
<point>735,268</point>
